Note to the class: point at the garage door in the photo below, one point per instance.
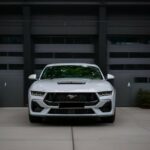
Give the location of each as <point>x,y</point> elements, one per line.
<point>11,73</point>
<point>129,61</point>
<point>63,50</point>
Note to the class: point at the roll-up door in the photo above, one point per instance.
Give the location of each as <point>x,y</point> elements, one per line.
<point>11,72</point>
<point>129,61</point>
<point>64,24</point>
<point>58,51</point>
<point>11,24</point>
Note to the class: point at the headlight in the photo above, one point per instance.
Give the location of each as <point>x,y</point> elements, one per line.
<point>37,93</point>
<point>105,93</point>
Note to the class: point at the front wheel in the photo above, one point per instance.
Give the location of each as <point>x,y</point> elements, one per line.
<point>34,119</point>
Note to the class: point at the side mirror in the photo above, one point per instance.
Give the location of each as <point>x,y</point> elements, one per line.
<point>110,77</point>
<point>32,77</point>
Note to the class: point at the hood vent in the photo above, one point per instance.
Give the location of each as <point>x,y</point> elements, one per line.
<point>70,82</point>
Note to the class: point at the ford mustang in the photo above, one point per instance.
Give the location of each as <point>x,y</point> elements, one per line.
<point>71,90</point>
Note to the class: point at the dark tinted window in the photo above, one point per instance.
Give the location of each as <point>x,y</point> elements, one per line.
<point>69,71</point>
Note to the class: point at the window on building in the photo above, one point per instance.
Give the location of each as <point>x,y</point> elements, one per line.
<point>63,39</point>
<point>6,40</point>
<point>129,67</point>
<point>127,40</point>
<point>11,39</point>
<point>141,80</point>
<point>129,55</point>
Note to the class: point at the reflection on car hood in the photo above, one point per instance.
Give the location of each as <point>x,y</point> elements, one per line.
<point>71,85</point>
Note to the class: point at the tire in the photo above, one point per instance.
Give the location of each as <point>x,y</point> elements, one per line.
<point>109,119</point>
<point>34,119</point>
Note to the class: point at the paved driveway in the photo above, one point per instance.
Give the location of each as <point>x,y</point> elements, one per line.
<point>131,131</point>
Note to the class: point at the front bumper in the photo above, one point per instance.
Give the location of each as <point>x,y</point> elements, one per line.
<point>105,107</point>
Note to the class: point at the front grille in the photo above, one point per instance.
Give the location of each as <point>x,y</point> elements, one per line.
<point>71,111</point>
<point>71,99</point>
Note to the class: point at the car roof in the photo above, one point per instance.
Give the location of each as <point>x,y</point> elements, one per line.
<point>73,64</point>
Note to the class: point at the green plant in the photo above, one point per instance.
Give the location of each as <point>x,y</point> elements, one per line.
<point>143,98</point>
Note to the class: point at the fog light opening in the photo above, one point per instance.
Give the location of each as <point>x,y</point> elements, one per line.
<point>106,107</point>
<point>36,107</point>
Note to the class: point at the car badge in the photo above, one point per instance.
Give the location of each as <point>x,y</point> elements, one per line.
<point>70,96</point>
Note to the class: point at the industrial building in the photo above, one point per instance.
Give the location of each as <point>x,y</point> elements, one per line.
<point>114,34</point>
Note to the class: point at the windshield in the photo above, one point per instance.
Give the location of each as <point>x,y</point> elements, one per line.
<point>71,72</point>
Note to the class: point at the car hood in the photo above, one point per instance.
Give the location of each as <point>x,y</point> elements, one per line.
<point>71,85</point>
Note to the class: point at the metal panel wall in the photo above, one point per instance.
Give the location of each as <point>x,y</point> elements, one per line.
<point>63,24</point>
<point>11,24</point>
<point>11,75</point>
<point>127,62</point>
<point>62,53</point>
<point>131,21</point>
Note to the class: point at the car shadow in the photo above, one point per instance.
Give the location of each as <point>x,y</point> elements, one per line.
<point>62,121</point>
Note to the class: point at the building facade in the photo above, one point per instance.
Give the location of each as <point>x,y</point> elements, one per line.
<point>114,34</point>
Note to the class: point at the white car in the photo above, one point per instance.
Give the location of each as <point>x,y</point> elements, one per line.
<point>71,90</point>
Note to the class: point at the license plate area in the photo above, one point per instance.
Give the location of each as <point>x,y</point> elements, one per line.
<point>71,105</point>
